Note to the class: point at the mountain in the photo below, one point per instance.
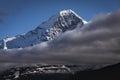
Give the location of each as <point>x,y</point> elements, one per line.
<point>111,72</point>
<point>62,72</point>
<point>37,71</point>
<point>59,23</point>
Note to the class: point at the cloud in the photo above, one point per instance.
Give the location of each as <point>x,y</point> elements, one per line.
<point>98,42</point>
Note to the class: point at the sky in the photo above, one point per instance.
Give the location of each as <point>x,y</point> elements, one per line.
<point>20,16</point>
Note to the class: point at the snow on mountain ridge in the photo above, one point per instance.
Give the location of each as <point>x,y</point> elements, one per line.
<point>57,24</point>
<point>69,11</point>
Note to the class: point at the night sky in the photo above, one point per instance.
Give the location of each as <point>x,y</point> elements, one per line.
<point>20,16</point>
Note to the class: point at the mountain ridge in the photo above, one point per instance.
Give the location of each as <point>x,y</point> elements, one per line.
<point>59,23</point>
<point>64,72</point>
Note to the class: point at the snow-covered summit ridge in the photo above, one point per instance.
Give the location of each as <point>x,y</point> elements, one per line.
<point>69,11</point>
<point>57,24</point>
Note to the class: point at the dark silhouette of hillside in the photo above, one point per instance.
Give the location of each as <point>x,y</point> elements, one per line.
<point>111,72</point>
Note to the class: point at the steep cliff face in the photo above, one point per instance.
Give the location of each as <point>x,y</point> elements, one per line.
<point>57,24</point>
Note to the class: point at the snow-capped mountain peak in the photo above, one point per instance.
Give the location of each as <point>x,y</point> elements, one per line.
<point>70,12</point>
<point>48,30</point>
<point>65,12</point>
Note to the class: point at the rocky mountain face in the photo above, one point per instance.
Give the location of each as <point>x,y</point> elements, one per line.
<point>57,24</point>
<point>44,72</point>
<point>62,72</point>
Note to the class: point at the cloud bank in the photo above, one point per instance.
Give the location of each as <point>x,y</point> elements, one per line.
<point>98,42</point>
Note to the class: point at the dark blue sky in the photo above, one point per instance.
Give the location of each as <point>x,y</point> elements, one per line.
<point>20,16</point>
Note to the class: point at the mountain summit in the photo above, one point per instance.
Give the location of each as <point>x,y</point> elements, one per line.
<point>59,23</point>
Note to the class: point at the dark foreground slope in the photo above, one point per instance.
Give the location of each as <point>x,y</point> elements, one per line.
<point>111,72</point>
<point>107,73</point>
